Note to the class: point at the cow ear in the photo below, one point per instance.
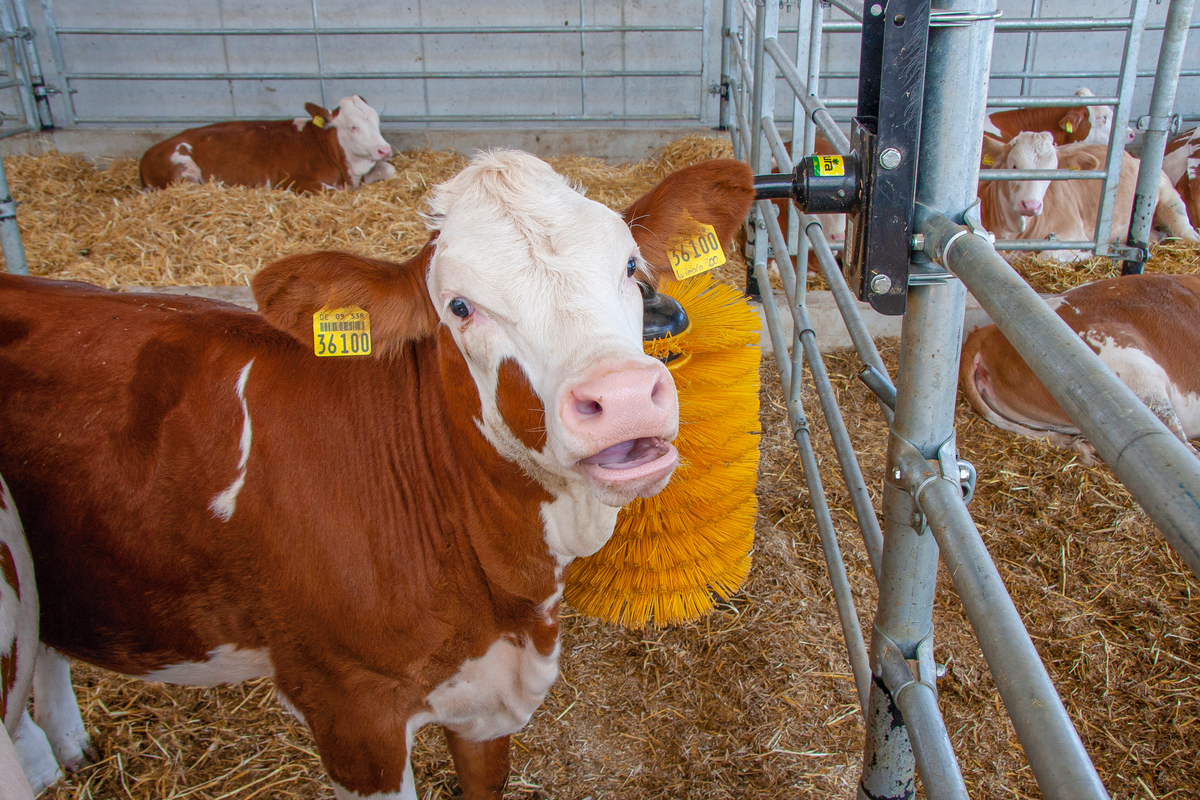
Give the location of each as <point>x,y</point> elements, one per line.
<point>315,110</point>
<point>993,153</point>
<point>292,290</point>
<point>717,193</point>
<point>1073,121</point>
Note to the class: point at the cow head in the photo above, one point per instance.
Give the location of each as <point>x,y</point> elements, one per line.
<point>357,126</point>
<point>1029,150</point>
<point>1100,120</point>
<point>535,287</point>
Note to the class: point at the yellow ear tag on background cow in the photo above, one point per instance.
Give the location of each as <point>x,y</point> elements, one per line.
<point>342,332</point>
<point>319,122</point>
<point>989,160</point>
<point>1068,127</point>
<point>833,166</point>
<point>698,253</point>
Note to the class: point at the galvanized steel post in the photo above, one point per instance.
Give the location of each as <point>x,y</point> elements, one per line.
<point>1162,101</point>
<point>10,234</point>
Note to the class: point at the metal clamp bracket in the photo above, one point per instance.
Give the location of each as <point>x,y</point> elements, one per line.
<point>1172,123</point>
<point>913,473</point>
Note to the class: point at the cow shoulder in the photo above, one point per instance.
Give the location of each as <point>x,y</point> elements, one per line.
<point>717,193</point>
<point>290,291</point>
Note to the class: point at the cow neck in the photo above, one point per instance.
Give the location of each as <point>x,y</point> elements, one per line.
<point>327,137</point>
<point>994,213</point>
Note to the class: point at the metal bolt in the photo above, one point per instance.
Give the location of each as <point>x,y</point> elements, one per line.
<point>881,284</point>
<point>896,475</point>
<point>876,10</point>
<point>890,158</point>
<point>918,241</point>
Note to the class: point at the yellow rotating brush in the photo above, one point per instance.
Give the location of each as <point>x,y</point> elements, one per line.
<point>672,552</point>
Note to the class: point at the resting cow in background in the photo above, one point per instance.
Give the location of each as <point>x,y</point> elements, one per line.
<point>339,149</point>
<point>1145,328</point>
<point>214,494</point>
<point>1069,125</point>
<point>27,764</point>
<point>1181,164</point>
<point>1067,209</point>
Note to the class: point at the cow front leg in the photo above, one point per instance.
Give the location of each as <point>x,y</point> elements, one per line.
<point>56,711</point>
<point>482,767</point>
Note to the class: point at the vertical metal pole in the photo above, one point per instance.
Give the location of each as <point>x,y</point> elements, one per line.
<point>60,63</point>
<point>33,67</point>
<point>797,241</point>
<point>1116,143</point>
<point>583,98</point>
<point>728,66</point>
<point>16,66</point>
<point>10,234</point>
<point>705,100</point>
<point>1162,102</point>
<point>758,99</point>
<point>1031,43</point>
<point>955,95</point>
<point>320,60</point>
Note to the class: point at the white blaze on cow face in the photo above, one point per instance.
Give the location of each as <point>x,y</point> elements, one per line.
<point>527,269</point>
<point>1030,150</point>
<point>357,126</point>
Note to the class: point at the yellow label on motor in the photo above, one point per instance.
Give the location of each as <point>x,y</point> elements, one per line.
<point>697,254</point>
<point>319,122</point>
<point>342,332</point>
<point>828,165</point>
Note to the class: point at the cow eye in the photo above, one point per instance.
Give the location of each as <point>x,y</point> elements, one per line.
<point>461,308</point>
<point>631,267</point>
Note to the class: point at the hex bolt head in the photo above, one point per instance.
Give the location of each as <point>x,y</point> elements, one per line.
<point>881,284</point>
<point>896,474</point>
<point>918,241</point>
<point>890,158</point>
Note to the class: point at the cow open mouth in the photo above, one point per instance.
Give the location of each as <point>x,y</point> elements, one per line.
<point>632,460</point>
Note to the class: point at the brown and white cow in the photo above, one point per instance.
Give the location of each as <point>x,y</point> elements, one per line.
<point>1068,125</point>
<point>27,765</point>
<point>1145,328</point>
<point>339,149</point>
<point>1181,164</point>
<point>208,499</point>
<point>1067,209</point>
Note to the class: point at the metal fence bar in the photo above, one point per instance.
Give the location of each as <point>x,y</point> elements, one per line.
<point>60,62</point>
<point>811,104</point>
<point>380,31</point>
<point>10,233</point>
<point>1042,175</point>
<point>1162,102</point>
<point>1156,468</point>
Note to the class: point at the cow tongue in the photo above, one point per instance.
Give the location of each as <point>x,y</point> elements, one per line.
<point>628,454</point>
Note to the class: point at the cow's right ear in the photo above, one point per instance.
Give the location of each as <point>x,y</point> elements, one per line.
<point>315,110</point>
<point>717,193</point>
<point>1073,121</point>
<point>994,152</point>
<point>292,290</point>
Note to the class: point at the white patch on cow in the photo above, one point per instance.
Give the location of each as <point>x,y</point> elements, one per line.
<point>225,503</point>
<point>1192,165</point>
<point>226,663</point>
<point>408,788</point>
<point>1178,410</point>
<point>1057,300</point>
<point>289,707</point>
<point>548,608</point>
<point>990,127</point>
<point>34,755</point>
<point>576,524</point>
<point>300,122</point>
<point>55,709</point>
<point>496,694</point>
<point>357,126</point>
<point>186,168</point>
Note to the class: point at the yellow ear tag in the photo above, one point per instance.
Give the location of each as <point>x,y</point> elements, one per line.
<point>989,160</point>
<point>698,253</point>
<point>1072,166</point>
<point>319,122</point>
<point>1068,127</point>
<point>342,332</point>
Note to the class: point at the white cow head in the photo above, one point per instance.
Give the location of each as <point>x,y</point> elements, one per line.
<point>1100,118</point>
<point>357,126</point>
<point>1028,150</point>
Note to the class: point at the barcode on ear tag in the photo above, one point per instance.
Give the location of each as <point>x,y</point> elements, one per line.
<point>342,332</point>
<point>698,253</point>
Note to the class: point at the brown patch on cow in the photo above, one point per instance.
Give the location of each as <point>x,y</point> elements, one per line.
<point>8,675</point>
<point>290,291</point>
<point>162,374</point>
<point>718,193</point>
<point>8,566</point>
<point>13,331</point>
<point>519,405</point>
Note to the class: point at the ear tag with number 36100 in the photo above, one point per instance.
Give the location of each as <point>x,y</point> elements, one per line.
<point>342,332</point>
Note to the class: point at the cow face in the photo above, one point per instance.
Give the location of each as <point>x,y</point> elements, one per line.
<point>357,126</point>
<point>536,285</point>
<point>1029,150</point>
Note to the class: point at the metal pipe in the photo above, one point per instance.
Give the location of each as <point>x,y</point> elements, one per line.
<point>1044,244</point>
<point>1030,45</point>
<point>811,104</point>
<point>1042,175</point>
<point>33,66</point>
<point>1051,102</point>
<point>843,597</point>
<point>1156,468</point>
<point>1162,102</point>
<point>1056,754</point>
<point>852,7</point>
<point>1116,152</point>
<point>380,31</point>
<point>10,232</point>
<point>727,24</point>
<point>258,76</point>
<point>758,88</point>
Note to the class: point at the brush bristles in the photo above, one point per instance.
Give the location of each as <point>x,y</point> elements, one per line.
<point>673,553</point>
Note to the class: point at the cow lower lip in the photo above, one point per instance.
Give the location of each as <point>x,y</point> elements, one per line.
<point>650,461</point>
<point>629,454</point>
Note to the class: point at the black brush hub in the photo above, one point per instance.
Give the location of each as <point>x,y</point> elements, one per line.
<point>662,316</point>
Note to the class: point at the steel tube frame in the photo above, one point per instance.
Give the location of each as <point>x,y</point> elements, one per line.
<point>1162,102</point>
<point>10,233</point>
<point>1157,469</point>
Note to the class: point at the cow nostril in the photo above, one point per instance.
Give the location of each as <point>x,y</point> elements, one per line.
<point>587,408</point>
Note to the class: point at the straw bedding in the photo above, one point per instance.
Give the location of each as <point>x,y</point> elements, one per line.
<point>754,700</point>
